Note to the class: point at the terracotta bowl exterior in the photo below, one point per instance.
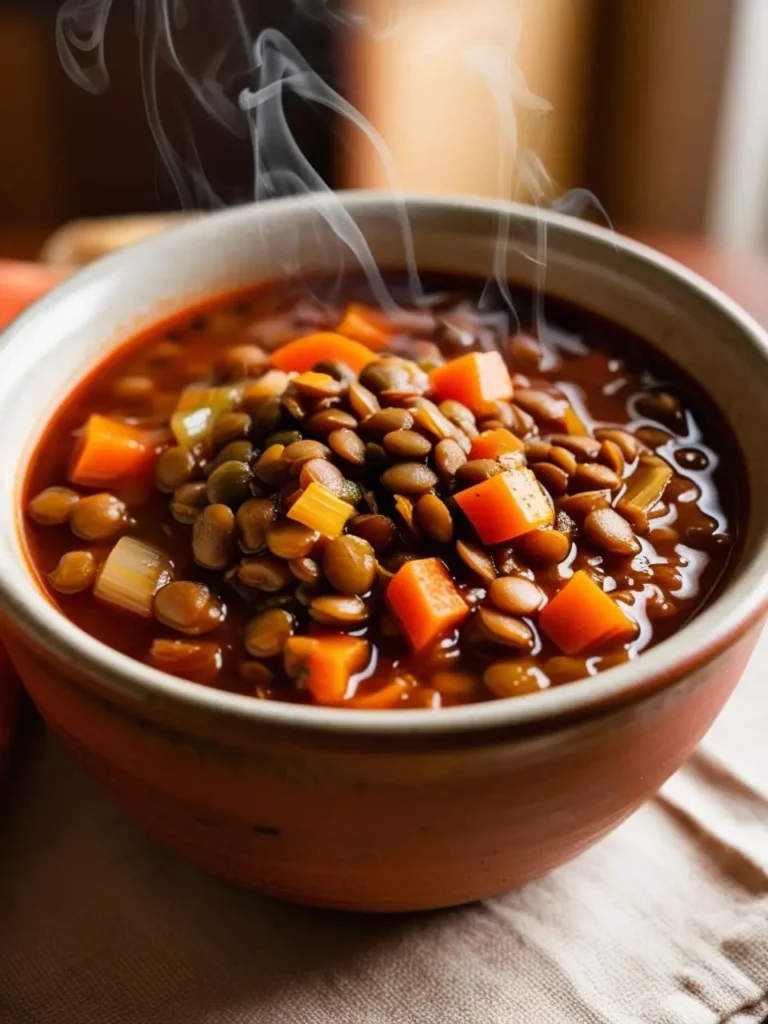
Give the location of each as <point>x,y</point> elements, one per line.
<point>380,810</point>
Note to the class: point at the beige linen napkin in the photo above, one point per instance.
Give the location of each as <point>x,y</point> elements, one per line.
<point>664,922</point>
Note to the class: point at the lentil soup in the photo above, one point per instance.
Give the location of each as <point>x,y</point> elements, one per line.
<point>322,502</point>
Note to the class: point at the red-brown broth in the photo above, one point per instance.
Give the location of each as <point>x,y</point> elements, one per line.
<point>601,369</point>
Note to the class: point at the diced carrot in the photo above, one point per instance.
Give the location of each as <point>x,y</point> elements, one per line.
<point>326,663</point>
<point>572,423</point>
<point>581,617</point>
<point>387,697</point>
<point>492,444</point>
<point>477,380</point>
<point>321,510</point>
<point>425,601</point>
<point>109,450</point>
<point>302,354</point>
<point>506,506</point>
<point>365,325</point>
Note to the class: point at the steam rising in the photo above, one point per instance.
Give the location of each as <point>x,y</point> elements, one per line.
<point>80,29</point>
<point>273,66</point>
<point>279,164</point>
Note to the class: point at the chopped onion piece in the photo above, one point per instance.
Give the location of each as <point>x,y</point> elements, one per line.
<point>132,574</point>
<point>198,410</point>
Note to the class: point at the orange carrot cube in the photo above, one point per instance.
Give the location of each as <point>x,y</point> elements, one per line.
<point>492,444</point>
<point>425,601</point>
<point>506,506</point>
<point>302,354</point>
<point>582,617</point>
<point>572,423</point>
<point>326,663</point>
<point>478,380</point>
<point>366,326</point>
<point>109,450</point>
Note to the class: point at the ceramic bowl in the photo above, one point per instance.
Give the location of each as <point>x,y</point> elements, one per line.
<point>392,810</point>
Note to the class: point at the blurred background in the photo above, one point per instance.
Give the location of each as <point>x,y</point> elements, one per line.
<point>659,107</point>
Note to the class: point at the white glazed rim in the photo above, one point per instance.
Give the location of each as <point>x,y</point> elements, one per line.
<point>735,609</point>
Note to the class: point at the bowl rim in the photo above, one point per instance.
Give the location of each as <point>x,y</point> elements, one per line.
<point>738,607</point>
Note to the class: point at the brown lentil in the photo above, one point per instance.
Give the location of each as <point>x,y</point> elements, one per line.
<point>407,444</point>
<point>339,611</point>
<point>552,477</point>
<point>289,539</point>
<point>515,595</point>
<point>75,572</point>
<point>241,361</point>
<point>434,518</point>
<point>335,368</point>
<point>506,629</point>
<point>625,442</point>
<point>378,530</point>
<point>188,607</point>
<point>537,450</point>
<point>383,374</point>
<point>270,467</point>
<point>449,458</point>
<point>230,484</point>
<point>296,454</point>
<point>349,564</point>
<point>563,458</point>
<point>271,385</point>
<point>264,572</point>
<point>539,404</point>
<point>348,446</point>
<point>387,420</point>
<point>477,471</point>
<point>232,426</point>
<point>322,472</point>
<point>98,517</point>
<point>318,385</point>
<point>591,476</point>
<point>235,451</point>
<point>476,559</point>
<point>267,633</point>
<point>584,448</point>
<point>255,674</point>
<point>460,416</point>
<point>364,403</point>
<point>134,390</point>
<point>577,506</point>
<point>328,420</point>
<point>53,506</point>
<point>213,537</point>
<point>351,492</point>
<point>612,457</point>
<point>513,679</point>
<point>174,468</point>
<point>409,478</point>
<point>253,519</point>
<point>548,547</point>
<point>606,529</point>
<point>306,570</point>
<point>182,513</point>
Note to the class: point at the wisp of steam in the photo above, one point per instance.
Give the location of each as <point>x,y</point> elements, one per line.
<point>275,68</point>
